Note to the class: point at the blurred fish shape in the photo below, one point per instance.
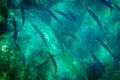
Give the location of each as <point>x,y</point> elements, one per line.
<point>54,62</point>
<point>69,34</point>
<point>94,16</point>
<point>54,16</point>
<point>21,55</point>
<point>75,21</point>
<point>72,16</point>
<point>40,34</point>
<point>86,71</point>
<point>15,33</point>
<point>97,61</point>
<point>22,13</point>
<point>108,4</point>
<point>62,13</point>
<point>106,47</point>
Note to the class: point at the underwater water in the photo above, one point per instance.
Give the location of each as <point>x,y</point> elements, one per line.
<point>59,39</point>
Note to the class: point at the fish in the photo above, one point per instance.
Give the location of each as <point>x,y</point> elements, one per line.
<point>21,56</point>
<point>103,44</point>
<point>95,17</point>
<point>54,62</point>
<point>62,13</point>
<point>15,29</point>
<point>51,13</point>
<point>75,21</point>
<point>72,16</point>
<point>69,34</point>
<point>40,34</point>
<point>22,13</point>
<point>105,2</point>
<point>86,71</point>
<point>97,61</point>
<point>106,47</point>
<point>15,33</point>
<point>39,66</point>
<point>12,44</point>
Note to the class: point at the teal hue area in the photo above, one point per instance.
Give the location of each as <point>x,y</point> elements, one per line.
<point>61,40</point>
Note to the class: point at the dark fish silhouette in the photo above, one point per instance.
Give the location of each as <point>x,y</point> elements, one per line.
<point>111,53</point>
<point>75,21</point>
<point>15,33</point>
<point>87,72</point>
<point>40,34</point>
<point>100,65</point>
<point>22,13</point>
<point>51,13</point>
<point>15,28</point>
<point>54,62</point>
<point>39,66</point>
<point>105,2</point>
<point>95,17</point>
<point>21,55</point>
<point>72,16</point>
<point>68,34</point>
<point>62,13</point>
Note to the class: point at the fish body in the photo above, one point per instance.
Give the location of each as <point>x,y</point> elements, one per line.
<point>62,13</point>
<point>39,66</point>
<point>105,46</point>
<point>97,61</point>
<point>69,34</point>
<point>99,64</point>
<point>22,13</point>
<point>87,72</point>
<point>11,45</point>
<point>54,62</point>
<point>15,33</point>
<point>40,34</point>
<point>15,29</point>
<point>21,56</point>
<point>117,7</point>
<point>105,2</point>
<point>54,17</point>
<point>95,17</point>
<point>75,21</point>
<point>72,16</point>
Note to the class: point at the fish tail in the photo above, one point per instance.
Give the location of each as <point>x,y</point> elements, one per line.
<point>11,45</point>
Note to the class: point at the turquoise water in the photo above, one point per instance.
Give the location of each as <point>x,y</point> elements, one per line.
<point>60,40</point>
